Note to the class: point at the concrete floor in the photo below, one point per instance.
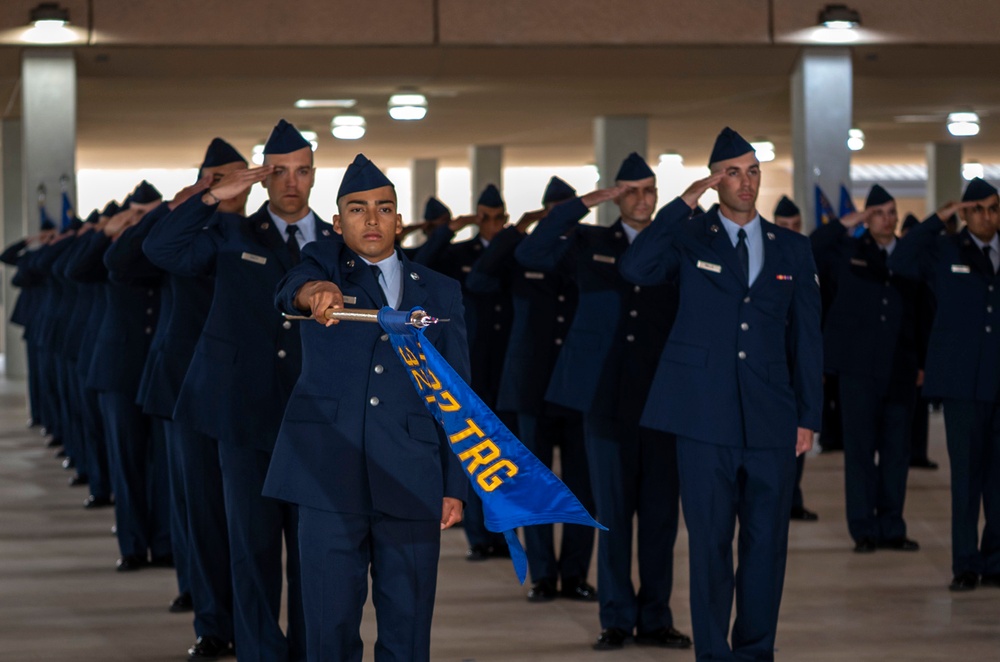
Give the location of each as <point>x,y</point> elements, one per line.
<point>61,599</point>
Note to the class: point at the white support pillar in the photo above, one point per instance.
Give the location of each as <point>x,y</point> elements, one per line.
<point>14,228</point>
<point>486,162</point>
<point>944,174</point>
<point>615,137</point>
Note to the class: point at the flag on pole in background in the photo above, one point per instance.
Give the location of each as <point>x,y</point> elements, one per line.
<point>824,210</point>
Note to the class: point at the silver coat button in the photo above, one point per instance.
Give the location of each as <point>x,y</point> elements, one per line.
<point>149,311</point>
<point>561,298</point>
<point>373,402</point>
<point>745,326</point>
<point>885,302</point>
<point>989,309</point>
<point>630,338</point>
<point>379,370</point>
<point>384,337</point>
<point>636,289</point>
<point>989,329</point>
<point>882,317</point>
<point>498,308</point>
<point>286,325</point>
<point>633,313</point>
<point>149,330</point>
<point>560,319</point>
<point>559,341</point>
<point>746,299</point>
<point>742,355</point>
<point>150,292</point>
<point>282,353</point>
<point>496,327</point>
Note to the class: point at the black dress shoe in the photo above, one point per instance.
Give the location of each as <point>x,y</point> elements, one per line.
<point>54,442</point>
<point>664,638</point>
<point>578,589</point>
<point>923,463</point>
<point>78,479</point>
<point>993,581</point>
<point>165,561</point>
<point>130,563</point>
<point>965,581</point>
<point>500,551</point>
<point>209,648</point>
<point>477,553</point>
<point>68,464</point>
<point>901,544</point>
<point>544,590</point>
<point>804,515</point>
<point>611,639</point>
<point>61,453</point>
<point>181,604</point>
<point>97,502</point>
<point>865,546</point>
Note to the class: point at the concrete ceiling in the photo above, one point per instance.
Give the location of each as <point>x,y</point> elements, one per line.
<point>158,106</point>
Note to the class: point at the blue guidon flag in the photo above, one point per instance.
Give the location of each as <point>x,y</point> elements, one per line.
<point>514,485</point>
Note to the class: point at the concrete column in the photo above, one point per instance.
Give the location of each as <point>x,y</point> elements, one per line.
<point>424,185</point>
<point>48,148</point>
<point>822,102</point>
<point>486,163</point>
<point>14,228</point>
<point>615,137</point>
<point>944,174</point>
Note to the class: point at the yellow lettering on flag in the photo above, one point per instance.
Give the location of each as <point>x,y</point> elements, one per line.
<point>488,478</point>
<point>481,454</point>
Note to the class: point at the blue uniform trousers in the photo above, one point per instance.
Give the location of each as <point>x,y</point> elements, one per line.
<point>800,466</point>
<point>137,460</point>
<point>257,525</point>
<point>65,412</point>
<point>92,429</point>
<point>179,541</point>
<point>874,426</point>
<point>34,383</point>
<point>540,435</point>
<point>211,582</point>
<point>338,552</point>
<point>633,471</point>
<point>49,381</point>
<point>721,485</point>
<point>973,431</point>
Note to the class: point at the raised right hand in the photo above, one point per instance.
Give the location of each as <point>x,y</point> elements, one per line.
<point>235,183</point>
<point>698,188</point>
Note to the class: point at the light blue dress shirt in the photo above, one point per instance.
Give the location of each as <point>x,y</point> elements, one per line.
<point>306,227</point>
<point>391,280</point>
<point>755,242</point>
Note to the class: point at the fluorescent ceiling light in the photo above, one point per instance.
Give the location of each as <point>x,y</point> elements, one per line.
<point>839,17</point>
<point>326,103</point>
<point>972,170</point>
<point>764,150</point>
<point>963,124</point>
<point>672,158</point>
<point>407,106</point>
<point>855,140</point>
<point>348,127</point>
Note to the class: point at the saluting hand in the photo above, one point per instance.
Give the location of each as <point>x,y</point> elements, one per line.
<point>698,188</point>
<point>952,207</point>
<point>451,513</point>
<point>122,221</point>
<point>528,219</point>
<point>189,192</point>
<point>595,198</point>
<point>317,296</point>
<point>855,218</point>
<point>460,222</point>
<point>235,183</point>
<point>804,442</point>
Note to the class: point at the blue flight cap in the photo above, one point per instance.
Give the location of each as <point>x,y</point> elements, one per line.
<point>633,168</point>
<point>786,208</point>
<point>910,221</point>
<point>75,225</point>
<point>362,175</point>
<point>145,193</point>
<point>284,139</point>
<point>221,153</point>
<point>877,196</point>
<point>435,209</point>
<point>557,191</point>
<point>47,224</point>
<point>110,209</point>
<point>93,217</point>
<point>490,197</point>
<point>126,202</point>
<point>978,189</point>
<point>729,145</point>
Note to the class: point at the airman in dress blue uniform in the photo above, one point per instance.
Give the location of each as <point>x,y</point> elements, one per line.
<point>604,370</point>
<point>872,344</point>
<point>740,384</point>
<point>371,472</point>
<point>963,367</point>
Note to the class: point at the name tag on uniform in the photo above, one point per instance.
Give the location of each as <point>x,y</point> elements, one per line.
<point>349,299</point>
<point>534,275</point>
<point>256,259</point>
<point>784,276</point>
<point>708,266</point>
<point>859,263</point>
<point>466,269</point>
<point>961,269</point>
<point>606,259</point>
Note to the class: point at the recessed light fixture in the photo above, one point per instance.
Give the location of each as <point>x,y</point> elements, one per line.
<point>348,127</point>
<point>49,21</point>
<point>671,158</point>
<point>972,170</point>
<point>311,136</point>
<point>963,124</point>
<point>326,103</point>
<point>764,150</point>
<point>258,154</point>
<point>407,106</point>
<point>839,17</point>
<point>855,140</point>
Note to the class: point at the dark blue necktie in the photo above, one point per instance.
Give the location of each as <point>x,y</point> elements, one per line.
<point>743,254</point>
<point>381,293</point>
<point>293,243</point>
<point>989,260</point>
